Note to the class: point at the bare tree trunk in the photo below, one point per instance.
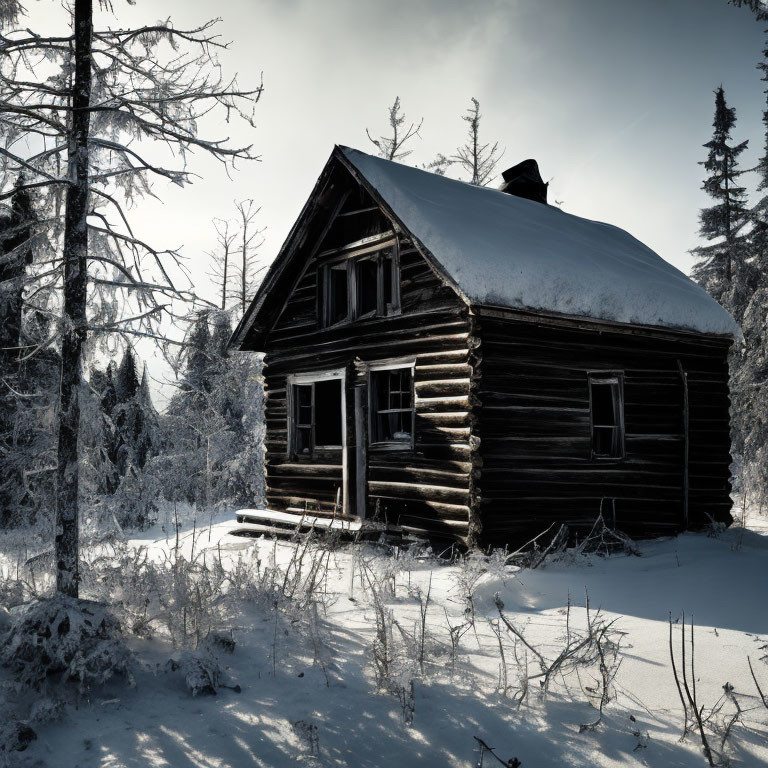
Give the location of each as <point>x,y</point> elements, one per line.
<point>244,275</point>
<point>224,278</point>
<point>74,321</point>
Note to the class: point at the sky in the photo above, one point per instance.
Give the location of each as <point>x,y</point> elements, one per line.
<point>613,98</point>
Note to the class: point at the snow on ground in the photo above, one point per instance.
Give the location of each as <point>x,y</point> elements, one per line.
<point>309,695</point>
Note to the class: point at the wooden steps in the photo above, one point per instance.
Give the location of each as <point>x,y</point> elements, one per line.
<point>266,522</point>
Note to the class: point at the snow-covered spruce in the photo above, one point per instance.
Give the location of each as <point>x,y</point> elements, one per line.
<point>77,640</point>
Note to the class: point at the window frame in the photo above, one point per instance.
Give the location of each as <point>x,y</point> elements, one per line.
<point>613,378</point>
<point>295,426</point>
<point>310,379</point>
<point>325,302</point>
<point>351,259</point>
<point>382,367</point>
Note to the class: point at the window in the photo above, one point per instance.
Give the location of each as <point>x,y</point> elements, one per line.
<point>302,418</point>
<point>391,406</point>
<point>328,424</point>
<point>367,283</point>
<point>607,416</point>
<point>316,417</point>
<point>337,294</point>
<point>360,287</point>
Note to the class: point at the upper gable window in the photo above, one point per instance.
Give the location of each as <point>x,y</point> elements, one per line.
<point>366,272</point>
<point>360,286</point>
<point>337,294</point>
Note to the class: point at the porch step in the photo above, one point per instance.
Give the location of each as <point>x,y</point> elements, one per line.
<point>294,519</point>
<point>266,522</point>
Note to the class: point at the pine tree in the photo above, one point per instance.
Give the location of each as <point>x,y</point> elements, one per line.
<point>749,366</point>
<point>724,268</point>
<point>131,413</point>
<point>104,442</point>
<point>109,390</point>
<point>759,213</point>
<point>27,454</point>
<point>127,383</point>
<point>758,7</point>
<point>195,379</point>
<point>724,220</point>
<point>213,424</point>
<point>16,252</point>
<point>15,257</point>
<point>145,438</point>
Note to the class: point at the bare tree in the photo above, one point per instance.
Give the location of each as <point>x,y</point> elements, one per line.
<point>76,113</point>
<point>477,159</point>
<point>247,269</point>
<point>220,272</point>
<point>391,147</point>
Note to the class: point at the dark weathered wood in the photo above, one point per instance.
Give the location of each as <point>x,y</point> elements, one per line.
<point>686,443</point>
<point>502,444</point>
<point>535,435</point>
<point>432,482</point>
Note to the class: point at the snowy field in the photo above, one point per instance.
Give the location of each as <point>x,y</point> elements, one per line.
<point>309,683</point>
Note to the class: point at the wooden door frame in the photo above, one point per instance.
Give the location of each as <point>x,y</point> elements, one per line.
<point>362,399</point>
<point>312,377</point>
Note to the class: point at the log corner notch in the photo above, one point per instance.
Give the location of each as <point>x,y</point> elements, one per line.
<point>475,359</point>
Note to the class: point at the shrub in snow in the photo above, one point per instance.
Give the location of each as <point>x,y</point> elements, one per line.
<point>12,593</point>
<point>46,710</point>
<point>306,731</point>
<point>603,540</point>
<point>183,595</point>
<point>201,671</point>
<point>590,654</point>
<point>128,581</point>
<point>5,620</point>
<point>75,639</point>
<point>221,641</point>
<point>16,736</point>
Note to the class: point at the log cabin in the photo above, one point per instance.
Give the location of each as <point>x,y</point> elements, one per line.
<point>474,365</point>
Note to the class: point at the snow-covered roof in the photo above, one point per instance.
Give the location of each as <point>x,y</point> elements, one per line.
<point>506,251</point>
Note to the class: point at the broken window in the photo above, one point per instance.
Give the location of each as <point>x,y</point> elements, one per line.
<point>336,293</point>
<point>367,280</point>
<point>607,416</point>
<point>302,419</point>
<point>392,406</point>
<point>317,416</point>
<point>387,278</point>
<point>328,422</point>
<point>360,287</point>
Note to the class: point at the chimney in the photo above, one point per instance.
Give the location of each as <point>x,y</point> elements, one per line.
<point>524,180</point>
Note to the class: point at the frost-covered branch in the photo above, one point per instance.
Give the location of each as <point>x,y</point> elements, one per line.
<point>391,147</point>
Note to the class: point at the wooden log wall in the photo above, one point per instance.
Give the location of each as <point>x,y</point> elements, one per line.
<point>534,430</point>
<point>426,489</point>
<point>502,421</point>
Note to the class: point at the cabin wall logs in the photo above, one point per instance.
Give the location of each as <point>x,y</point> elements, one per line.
<point>427,489</point>
<point>534,430</point>
<point>502,417</point>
